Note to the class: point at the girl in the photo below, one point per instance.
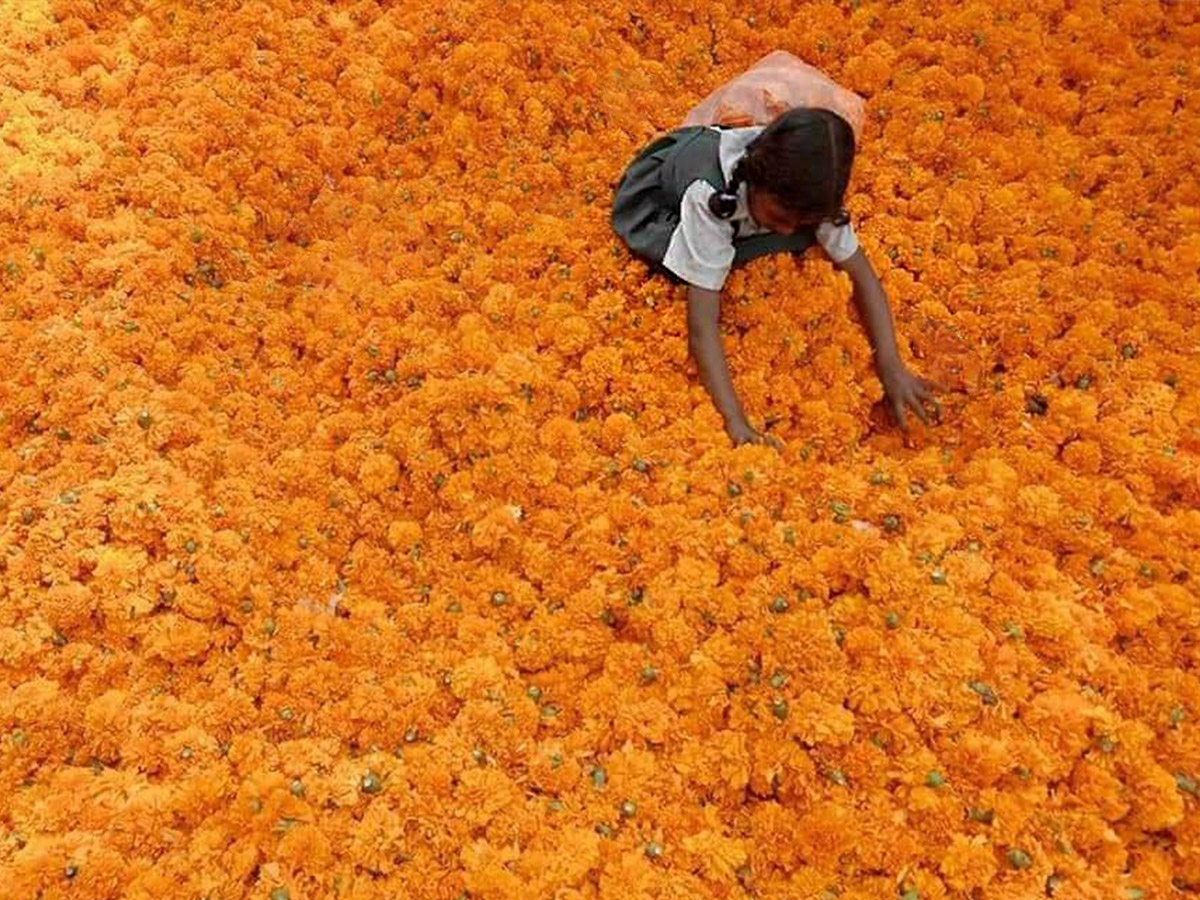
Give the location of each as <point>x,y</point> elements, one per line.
<point>703,199</point>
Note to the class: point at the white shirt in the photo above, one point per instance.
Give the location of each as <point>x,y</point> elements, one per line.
<point>701,247</point>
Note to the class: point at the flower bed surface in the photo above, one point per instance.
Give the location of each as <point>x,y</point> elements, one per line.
<point>364,532</point>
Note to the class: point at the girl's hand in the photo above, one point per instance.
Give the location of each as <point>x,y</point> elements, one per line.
<point>906,391</point>
<point>741,433</point>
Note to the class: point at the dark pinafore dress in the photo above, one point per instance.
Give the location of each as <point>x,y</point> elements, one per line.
<point>646,208</point>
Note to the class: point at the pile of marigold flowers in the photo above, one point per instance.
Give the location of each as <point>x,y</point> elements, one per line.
<point>365,533</point>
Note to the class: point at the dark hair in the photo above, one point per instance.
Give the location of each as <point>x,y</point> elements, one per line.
<point>803,158</point>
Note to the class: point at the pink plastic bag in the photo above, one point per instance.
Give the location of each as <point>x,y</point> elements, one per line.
<point>776,83</point>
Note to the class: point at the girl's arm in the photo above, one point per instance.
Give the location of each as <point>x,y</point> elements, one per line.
<point>903,388</point>
<point>704,342</point>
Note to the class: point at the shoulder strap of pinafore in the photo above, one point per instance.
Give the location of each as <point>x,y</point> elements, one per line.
<point>696,154</point>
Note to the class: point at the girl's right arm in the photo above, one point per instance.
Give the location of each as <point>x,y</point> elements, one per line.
<point>704,342</point>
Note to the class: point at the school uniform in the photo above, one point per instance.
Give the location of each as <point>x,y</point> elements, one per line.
<point>661,210</point>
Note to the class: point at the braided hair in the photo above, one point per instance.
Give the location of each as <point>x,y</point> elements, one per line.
<point>803,158</point>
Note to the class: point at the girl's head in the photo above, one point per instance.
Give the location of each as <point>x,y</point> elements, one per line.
<point>797,169</point>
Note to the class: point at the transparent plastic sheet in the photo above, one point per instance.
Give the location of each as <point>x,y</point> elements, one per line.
<point>776,83</point>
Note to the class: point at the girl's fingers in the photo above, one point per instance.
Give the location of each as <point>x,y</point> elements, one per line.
<point>898,413</point>
<point>919,409</point>
<point>925,396</point>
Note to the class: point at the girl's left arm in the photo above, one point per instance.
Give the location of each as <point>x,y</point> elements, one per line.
<point>903,388</point>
